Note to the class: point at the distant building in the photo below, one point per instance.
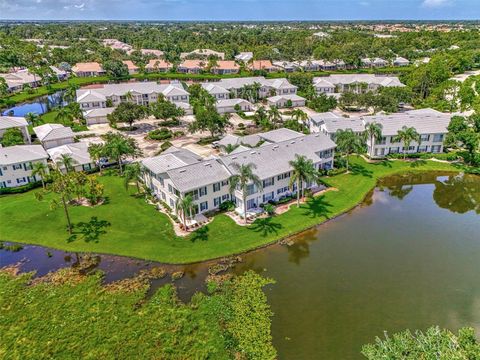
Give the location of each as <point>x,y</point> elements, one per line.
<point>203,54</point>
<point>132,68</point>
<point>244,57</point>
<point>400,61</point>
<point>141,93</point>
<point>230,105</point>
<point>88,69</point>
<point>289,100</point>
<point>158,65</point>
<point>262,65</point>
<point>18,79</point>
<point>191,66</point>
<point>339,83</point>
<point>223,67</point>
<point>157,53</point>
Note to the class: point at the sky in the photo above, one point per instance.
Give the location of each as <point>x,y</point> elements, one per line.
<point>239,9</point>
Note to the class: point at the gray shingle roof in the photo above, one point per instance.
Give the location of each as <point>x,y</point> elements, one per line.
<point>273,159</point>
<point>382,80</point>
<point>193,176</point>
<point>77,151</point>
<point>171,158</point>
<point>279,135</point>
<point>48,132</point>
<point>7,122</point>
<point>21,153</point>
<point>425,122</point>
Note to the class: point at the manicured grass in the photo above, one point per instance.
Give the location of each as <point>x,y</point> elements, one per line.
<point>138,230</point>
<point>49,118</point>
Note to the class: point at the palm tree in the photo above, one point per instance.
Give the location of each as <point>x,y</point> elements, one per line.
<point>274,116</point>
<point>71,92</point>
<point>243,177</point>
<point>132,172</point>
<point>407,135</point>
<point>67,161</point>
<point>300,116</point>
<point>256,89</point>
<point>33,118</point>
<point>260,116</point>
<point>63,185</point>
<point>348,142</point>
<point>184,206</point>
<point>96,152</point>
<point>303,170</point>
<point>39,168</point>
<point>373,131</point>
<point>64,116</point>
<point>129,96</point>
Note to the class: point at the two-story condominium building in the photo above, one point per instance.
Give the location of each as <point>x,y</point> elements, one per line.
<point>217,91</point>
<point>223,67</point>
<point>14,122</point>
<point>231,105</point>
<point>16,164</point>
<point>179,172</point>
<point>141,93</point>
<point>88,69</point>
<point>52,135</point>
<point>430,124</point>
<point>273,168</point>
<point>339,83</point>
<point>267,87</point>
<point>288,100</point>
<point>158,65</point>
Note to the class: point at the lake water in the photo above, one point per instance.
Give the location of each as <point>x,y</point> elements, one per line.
<point>408,257</point>
<point>40,105</point>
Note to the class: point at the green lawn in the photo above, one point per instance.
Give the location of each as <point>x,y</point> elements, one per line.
<point>138,230</point>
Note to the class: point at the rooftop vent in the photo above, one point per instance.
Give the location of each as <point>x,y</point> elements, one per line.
<point>292,142</point>
<point>275,147</point>
<point>234,157</point>
<point>252,152</point>
<point>207,164</point>
<point>183,170</point>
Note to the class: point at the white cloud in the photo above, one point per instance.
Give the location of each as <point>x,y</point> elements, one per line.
<point>436,3</point>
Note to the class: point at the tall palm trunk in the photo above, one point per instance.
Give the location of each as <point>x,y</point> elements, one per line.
<point>347,162</point>
<point>120,164</point>
<point>67,215</point>
<point>298,192</point>
<point>371,146</point>
<point>184,220</point>
<point>245,209</point>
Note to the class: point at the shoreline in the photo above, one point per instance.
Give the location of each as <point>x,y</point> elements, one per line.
<point>257,247</point>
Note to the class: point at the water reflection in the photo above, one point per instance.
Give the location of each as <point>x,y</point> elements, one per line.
<point>458,194</point>
<point>40,105</point>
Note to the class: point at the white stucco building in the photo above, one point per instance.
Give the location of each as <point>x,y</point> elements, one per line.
<point>16,163</point>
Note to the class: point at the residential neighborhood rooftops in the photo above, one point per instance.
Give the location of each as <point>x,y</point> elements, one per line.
<point>99,112</point>
<point>48,132</point>
<point>292,97</point>
<point>232,102</point>
<point>244,56</point>
<point>226,65</point>
<point>171,158</point>
<point>203,53</point>
<point>21,153</point>
<point>158,64</point>
<point>7,122</point>
<point>261,65</point>
<point>193,64</point>
<point>130,65</point>
<point>153,52</point>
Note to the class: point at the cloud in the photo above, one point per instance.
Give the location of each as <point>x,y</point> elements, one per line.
<point>436,3</point>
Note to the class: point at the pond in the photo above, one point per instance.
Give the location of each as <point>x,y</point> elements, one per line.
<point>40,105</point>
<point>406,258</point>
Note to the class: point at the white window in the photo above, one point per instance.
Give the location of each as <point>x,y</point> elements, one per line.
<point>217,201</point>
<point>204,206</point>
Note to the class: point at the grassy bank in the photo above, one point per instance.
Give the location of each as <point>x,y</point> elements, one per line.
<point>138,230</point>
<point>69,316</point>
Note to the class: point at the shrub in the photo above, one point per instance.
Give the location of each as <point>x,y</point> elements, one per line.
<point>336,171</point>
<point>270,209</point>
<point>174,218</point>
<point>227,206</point>
<point>208,140</point>
<point>20,189</point>
<point>160,134</point>
<point>178,134</point>
<point>168,123</point>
